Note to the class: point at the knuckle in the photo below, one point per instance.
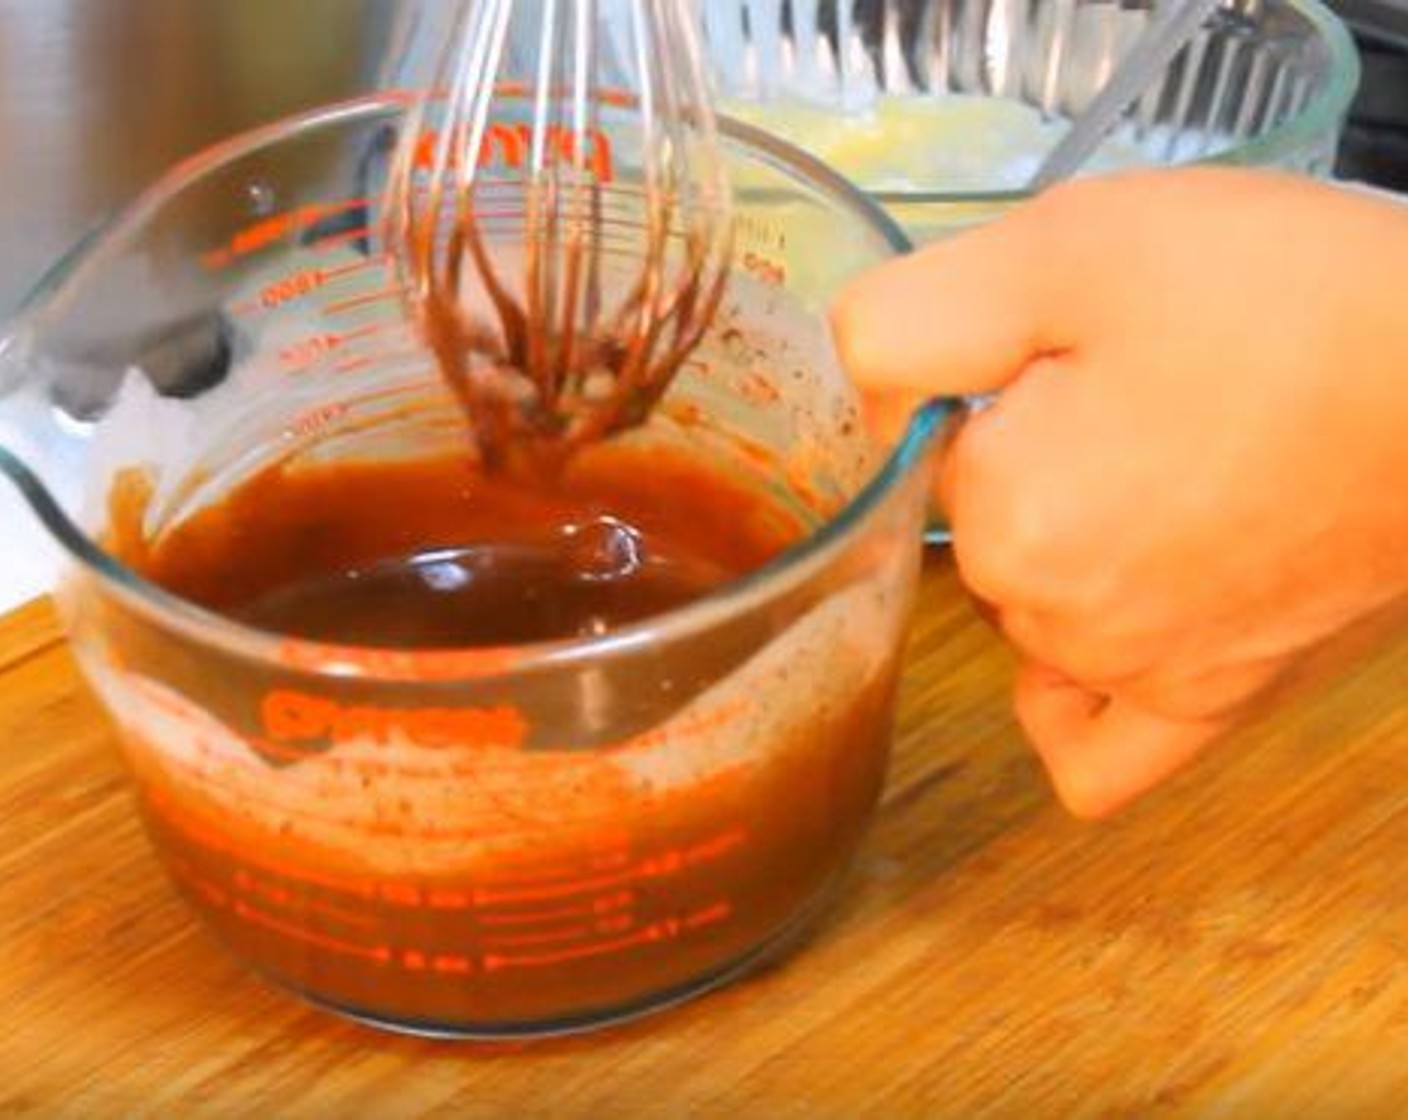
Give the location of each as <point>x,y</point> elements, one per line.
<point>999,530</point>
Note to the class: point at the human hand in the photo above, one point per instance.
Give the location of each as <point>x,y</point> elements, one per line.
<point>1196,474</point>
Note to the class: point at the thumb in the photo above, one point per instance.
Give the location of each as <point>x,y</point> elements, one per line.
<point>1101,753</point>
<point>962,316</point>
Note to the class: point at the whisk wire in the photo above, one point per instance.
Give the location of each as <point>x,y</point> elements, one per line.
<point>553,365</point>
<point>585,210</point>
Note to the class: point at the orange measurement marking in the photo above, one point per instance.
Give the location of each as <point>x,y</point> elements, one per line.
<point>527,874</point>
<point>291,288</point>
<point>665,930</point>
<point>207,890</point>
<point>366,330</point>
<point>294,717</point>
<point>367,300</point>
<point>658,866</point>
<point>282,896</point>
<point>449,898</point>
<point>495,962</point>
<point>509,145</point>
<point>342,237</point>
<point>315,420</point>
<point>549,891</point>
<point>710,915</point>
<point>613,857</point>
<point>339,272</point>
<point>666,863</point>
<point>211,893</point>
<point>382,357</point>
<point>719,846</point>
<point>378,953</point>
<point>548,937</point>
<point>272,230</point>
<point>771,272</point>
<point>246,882</point>
<point>301,356</point>
<point>452,964</point>
<point>298,357</point>
<point>619,900</point>
<point>606,95</point>
<point>617,923</point>
<point>402,894</point>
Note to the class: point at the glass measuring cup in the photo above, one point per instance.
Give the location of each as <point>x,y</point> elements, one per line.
<point>470,841</point>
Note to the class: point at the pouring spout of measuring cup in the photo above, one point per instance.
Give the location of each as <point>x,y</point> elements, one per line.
<point>77,351</point>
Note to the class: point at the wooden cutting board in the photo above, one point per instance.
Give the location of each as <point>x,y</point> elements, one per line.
<point>1235,946</point>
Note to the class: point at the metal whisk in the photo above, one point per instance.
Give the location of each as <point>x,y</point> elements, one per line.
<point>559,213</point>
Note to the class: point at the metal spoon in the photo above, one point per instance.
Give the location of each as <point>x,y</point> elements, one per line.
<point>1172,27</point>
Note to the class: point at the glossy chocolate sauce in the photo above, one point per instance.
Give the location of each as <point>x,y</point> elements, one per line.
<point>436,554</point>
<point>357,843</point>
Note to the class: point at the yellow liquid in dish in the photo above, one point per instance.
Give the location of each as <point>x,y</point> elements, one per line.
<point>958,143</point>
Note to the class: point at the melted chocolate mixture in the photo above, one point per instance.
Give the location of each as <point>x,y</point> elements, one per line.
<point>354,838</point>
<point>435,554</point>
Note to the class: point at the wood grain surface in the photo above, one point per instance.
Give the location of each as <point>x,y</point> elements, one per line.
<point>1235,946</point>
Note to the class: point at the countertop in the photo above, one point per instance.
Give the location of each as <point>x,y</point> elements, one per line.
<point>1235,946</point>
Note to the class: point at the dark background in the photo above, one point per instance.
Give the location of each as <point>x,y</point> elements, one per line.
<point>1375,146</point>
